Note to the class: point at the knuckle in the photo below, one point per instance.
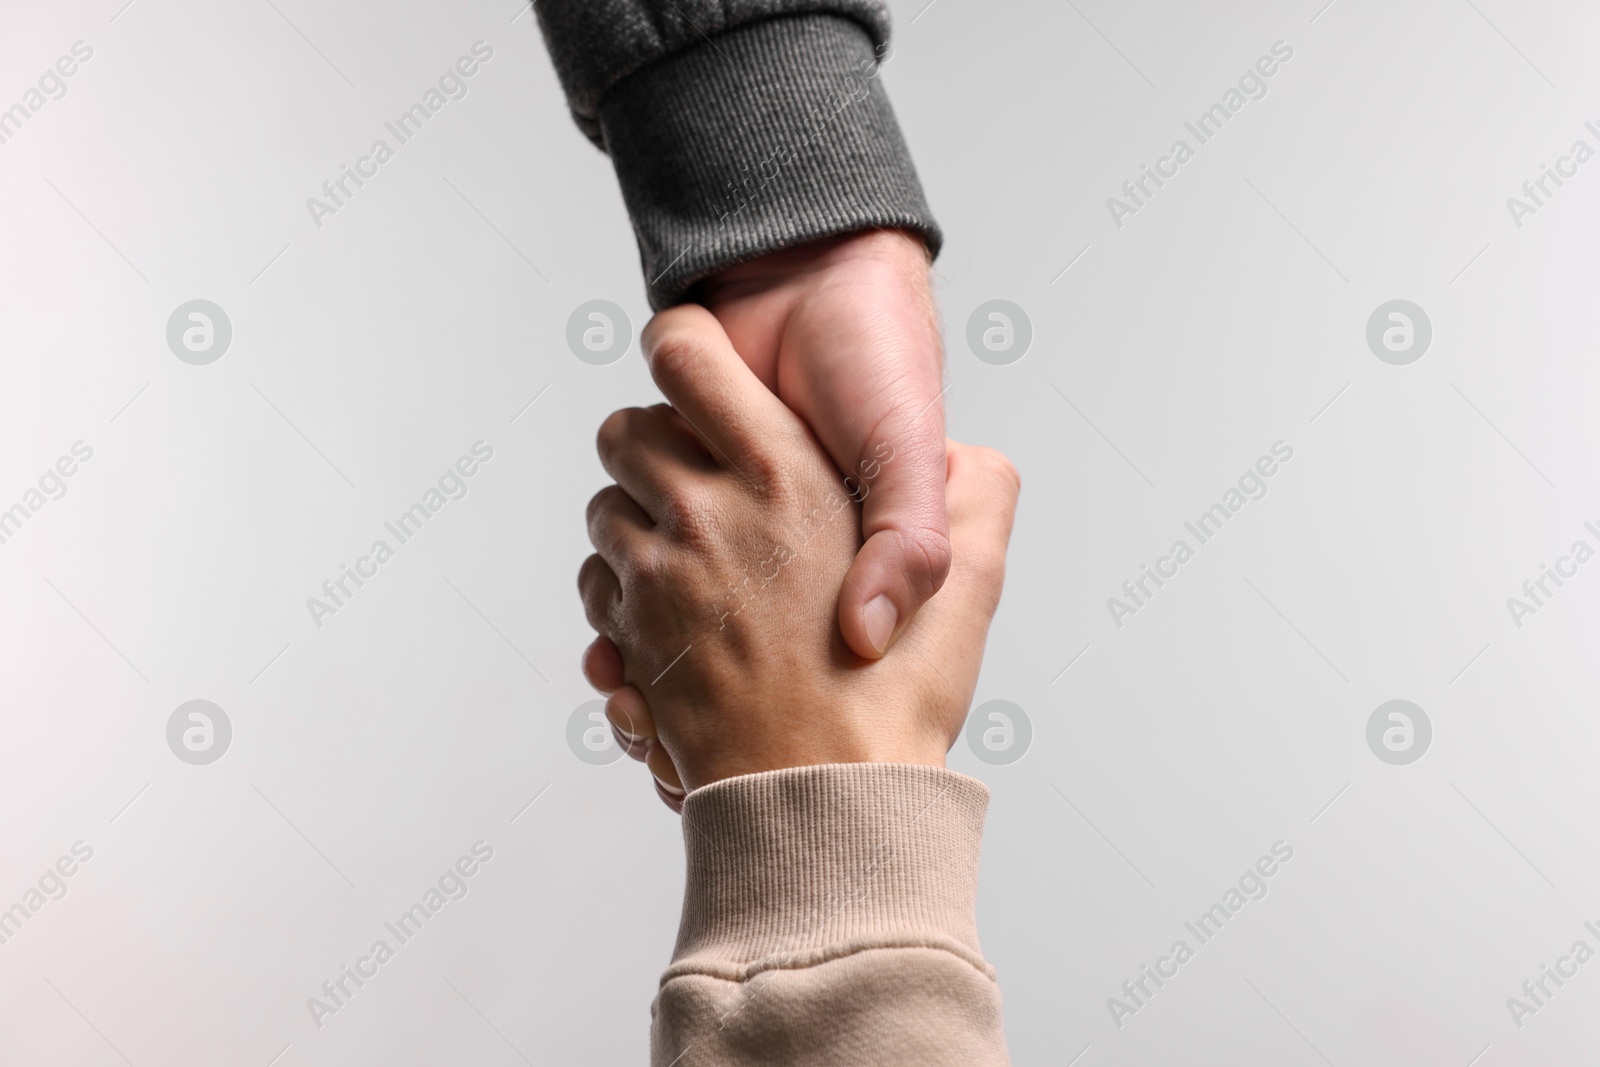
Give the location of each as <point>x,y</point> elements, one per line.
<point>695,520</point>
<point>610,435</point>
<point>772,487</point>
<point>674,356</point>
<point>773,483</point>
<point>587,574</point>
<point>686,504</point>
<point>592,590</point>
<point>648,571</point>
<point>601,512</point>
<point>617,430</point>
<point>930,554</point>
<point>597,503</point>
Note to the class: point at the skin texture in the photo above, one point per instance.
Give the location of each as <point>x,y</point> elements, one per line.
<point>713,588</point>
<point>844,331</point>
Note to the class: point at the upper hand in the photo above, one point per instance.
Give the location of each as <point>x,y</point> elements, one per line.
<point>719,552</point>
<point>844,332</point>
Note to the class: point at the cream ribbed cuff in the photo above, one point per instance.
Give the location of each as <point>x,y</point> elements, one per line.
<point>791,868</point>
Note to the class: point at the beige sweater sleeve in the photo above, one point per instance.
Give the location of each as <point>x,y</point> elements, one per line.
<point>829,918</point>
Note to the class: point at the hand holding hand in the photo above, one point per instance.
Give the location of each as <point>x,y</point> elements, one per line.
<point>720,553</point>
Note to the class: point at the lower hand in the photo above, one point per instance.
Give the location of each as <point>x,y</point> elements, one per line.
<point>720,551</point>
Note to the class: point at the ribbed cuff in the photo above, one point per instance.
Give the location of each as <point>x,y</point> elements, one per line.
<point>763,138</point>
<point>790,868</point>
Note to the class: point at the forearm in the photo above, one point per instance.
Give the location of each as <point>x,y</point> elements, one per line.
<point>737,128</point>
<point>829,918</point>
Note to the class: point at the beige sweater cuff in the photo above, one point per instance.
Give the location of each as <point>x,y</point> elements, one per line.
<point>789,869</point>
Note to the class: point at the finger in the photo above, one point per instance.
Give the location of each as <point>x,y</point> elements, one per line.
<point>676,803</point>
<point>982,494</point>
<point>651,452</point>
<point>601,594</point>
<point>677,428</point>
<point>668,784</point>
<point>982,491</point>
<point>671,800</point>
<point>632,747</point>
<point>906,554</point>
<point>696,368</point>
<point>602,665</point>
<point>630,718</point>
<point>619,529</point>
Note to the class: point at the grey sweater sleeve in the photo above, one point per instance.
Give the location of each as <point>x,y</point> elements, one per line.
<point>737,127</point>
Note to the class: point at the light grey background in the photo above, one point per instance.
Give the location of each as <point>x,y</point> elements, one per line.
<point>1167,755</point>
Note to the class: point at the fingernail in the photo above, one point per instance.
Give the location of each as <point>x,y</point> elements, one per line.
<point>672,790</point>
<point>674,803</point>
<point>880,619</point>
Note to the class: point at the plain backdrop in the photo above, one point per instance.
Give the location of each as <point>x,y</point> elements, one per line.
<point>1168,753</point>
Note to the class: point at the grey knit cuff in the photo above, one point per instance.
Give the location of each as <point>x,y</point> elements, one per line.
<point>789,868</point>
<point>762,138</point>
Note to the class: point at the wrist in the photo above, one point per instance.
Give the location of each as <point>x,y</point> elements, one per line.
<point>704,765</point>
<point>901,250</point>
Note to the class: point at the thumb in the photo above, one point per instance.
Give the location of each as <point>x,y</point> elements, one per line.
<point>900,481</point>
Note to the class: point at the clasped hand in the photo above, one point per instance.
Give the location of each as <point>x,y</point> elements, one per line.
<point>720,555</point>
